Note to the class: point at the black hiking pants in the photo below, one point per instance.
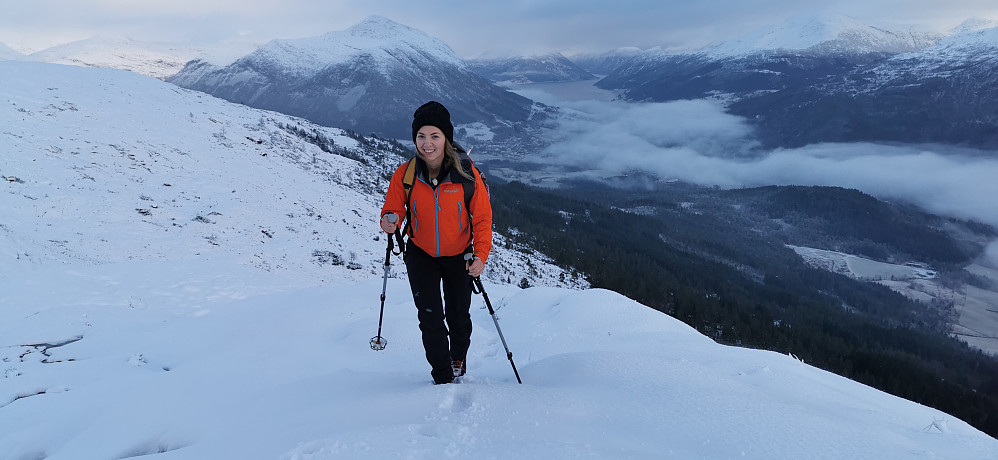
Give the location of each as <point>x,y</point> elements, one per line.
<point>446,324</point>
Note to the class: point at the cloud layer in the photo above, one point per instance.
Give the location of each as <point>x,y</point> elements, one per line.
<point>696,141</point>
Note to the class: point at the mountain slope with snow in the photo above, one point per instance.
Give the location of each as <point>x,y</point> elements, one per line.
<point>159,172</point>
<point>368,78</point>
<point>192,278</point>
<point>9,54</point>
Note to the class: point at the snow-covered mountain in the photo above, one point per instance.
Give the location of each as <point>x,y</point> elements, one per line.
<point>792,54</point>
<point>9,54</point>
<point>193,278</point>
<point>604,63</point>
<point>823,34</point>
<point>107,166</point>
<point>939,94</point>
<point>974,24</point>
<point>516,70</point>
<point>148,58</point>
<point>971,48</point>
<point>368,78</point>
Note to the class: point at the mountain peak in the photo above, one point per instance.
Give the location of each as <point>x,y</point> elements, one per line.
<point>375,35</point>
<point>380,27</point>
<point>969,36</point>
<point>975,24</point>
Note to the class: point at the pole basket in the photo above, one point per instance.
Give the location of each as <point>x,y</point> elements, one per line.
<point>378,343</point>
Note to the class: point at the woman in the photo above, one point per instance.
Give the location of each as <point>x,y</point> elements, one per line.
<point>444,225</point>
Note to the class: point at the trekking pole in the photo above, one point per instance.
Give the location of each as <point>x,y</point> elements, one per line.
<point>481,290</point>
<point>378,342</point>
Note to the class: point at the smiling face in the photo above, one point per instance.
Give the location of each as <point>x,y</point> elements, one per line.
<point>430,144</point>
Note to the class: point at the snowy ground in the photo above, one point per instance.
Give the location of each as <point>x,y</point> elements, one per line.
<point>862,268</point>
<point>977,323</point>
<point>105,165</point>
<point>184,278</point>
<point>195,359</point>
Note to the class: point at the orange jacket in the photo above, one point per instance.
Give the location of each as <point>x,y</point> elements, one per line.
<point>441,225</point>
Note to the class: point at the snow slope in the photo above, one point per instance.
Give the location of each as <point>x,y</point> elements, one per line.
<point>159,172</point>
<point>202,360</point>
<point>188,332</point>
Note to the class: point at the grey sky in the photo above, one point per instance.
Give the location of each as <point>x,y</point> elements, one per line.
<point>470,28</point>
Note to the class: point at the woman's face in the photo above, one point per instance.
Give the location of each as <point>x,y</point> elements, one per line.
<point>430,144</point>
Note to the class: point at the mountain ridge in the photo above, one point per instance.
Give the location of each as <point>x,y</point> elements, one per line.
<point>822,33</point>
<point>537,68</point>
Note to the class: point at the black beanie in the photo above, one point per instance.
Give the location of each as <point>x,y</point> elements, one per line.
<point>432,113</point>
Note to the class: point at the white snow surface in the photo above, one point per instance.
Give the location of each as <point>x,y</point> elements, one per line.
<point>824,32</point>
<point>861,268</point>
<point>187,332</point>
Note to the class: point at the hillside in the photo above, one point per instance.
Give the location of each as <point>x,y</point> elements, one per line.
<point>159,172</point>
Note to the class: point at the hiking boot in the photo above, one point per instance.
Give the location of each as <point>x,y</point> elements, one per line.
<point>459,367</point>
<point>442,377</point>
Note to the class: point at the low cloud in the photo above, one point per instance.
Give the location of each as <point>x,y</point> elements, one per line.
<point>696,141</point>
<point>991,255</point>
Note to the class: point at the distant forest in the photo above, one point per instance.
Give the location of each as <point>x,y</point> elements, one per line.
<point>717,260</point>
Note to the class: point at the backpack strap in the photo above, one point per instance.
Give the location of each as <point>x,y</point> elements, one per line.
<point>407,181</point>
<point>469,187</point>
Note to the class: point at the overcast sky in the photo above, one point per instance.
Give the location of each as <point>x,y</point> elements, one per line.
<point>470,28</point>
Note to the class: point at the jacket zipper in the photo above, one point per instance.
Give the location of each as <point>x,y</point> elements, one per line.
<point>460,217</point>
